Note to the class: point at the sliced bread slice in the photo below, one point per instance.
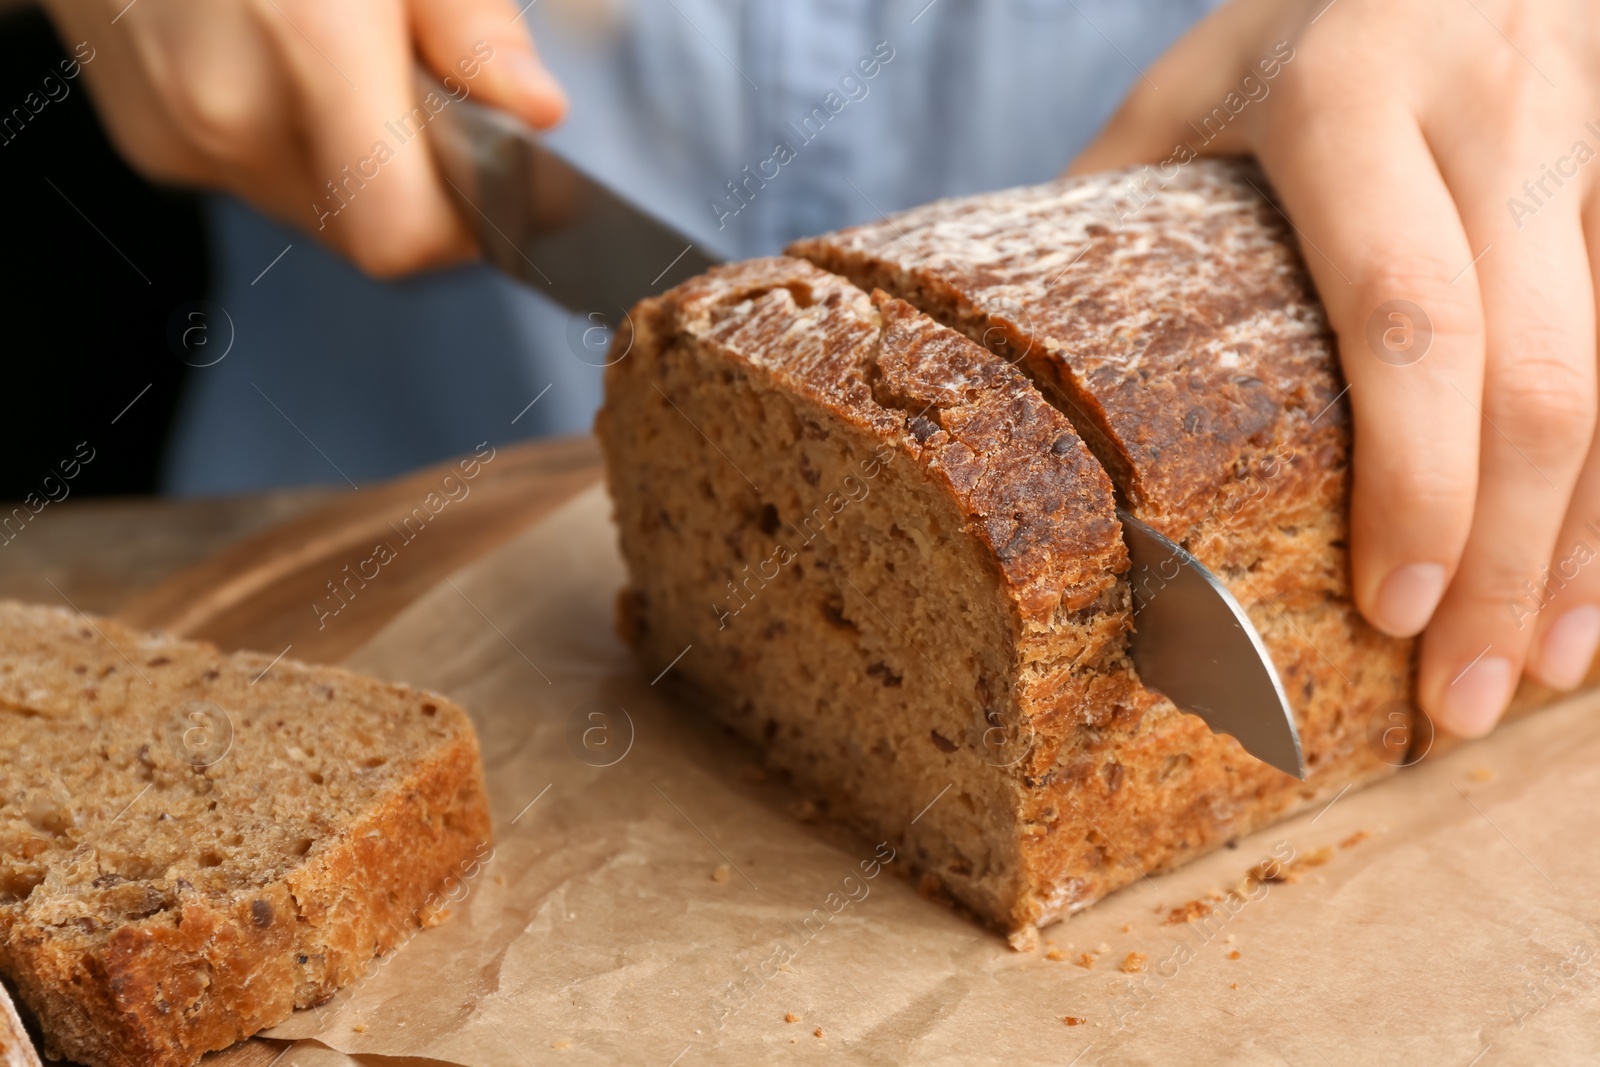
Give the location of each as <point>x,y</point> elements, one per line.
<point>194,844</point>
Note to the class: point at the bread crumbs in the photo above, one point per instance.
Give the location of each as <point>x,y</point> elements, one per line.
<point>1134,962</point>
<point>1195,909</point>
<point>1268,871</point>
<point>1235,985</point>
<point>1273,871</point>
<point>790,1017</point>
<point>720,874</point>
<point>1025,939</point>
<point>1085,961</point>
<point>1234,954</point>
<point>562,1043</point>
<point>1074,1020</point>
<point>360,1028</point>
<point>1127,928</point>
<point>1481,774</point>
<point>1052,952</point>
<point>1314,858</point>
<point>1355,839</point>
<point>818,1031</point>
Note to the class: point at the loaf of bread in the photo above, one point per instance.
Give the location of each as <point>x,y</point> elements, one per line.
<point>194,844</point>
<point>15,1048</point>
<point>871,488</point>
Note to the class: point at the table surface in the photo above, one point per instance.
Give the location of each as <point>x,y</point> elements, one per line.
<point>109,556</point>
<point>97,553</point>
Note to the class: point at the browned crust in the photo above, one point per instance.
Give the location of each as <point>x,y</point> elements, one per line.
<point>1154,788</point>
<point>1041,502</point>
<point>1180,331</point>
<point>213,970</point>
<point>1036,497</point>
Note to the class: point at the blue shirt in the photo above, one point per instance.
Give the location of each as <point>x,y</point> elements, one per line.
<point>747,124</point>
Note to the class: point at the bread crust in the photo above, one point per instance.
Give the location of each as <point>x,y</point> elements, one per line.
<point>1180,328</point>
<point>217,960</point>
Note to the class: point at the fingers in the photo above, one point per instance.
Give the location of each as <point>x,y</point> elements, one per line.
<point>222,84</point>
<point>133,113</point>
<point>484,45</point>
<point>1563,603</point>
<point>308,109</point>
<point>1383,241</point>
<point>1538,412</point>
<point>379,198</point>
<point>1182,87</point>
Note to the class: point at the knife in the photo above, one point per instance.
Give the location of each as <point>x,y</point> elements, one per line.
<point>1194,643</point>
<point>562,232</point>
<point>547,223</point>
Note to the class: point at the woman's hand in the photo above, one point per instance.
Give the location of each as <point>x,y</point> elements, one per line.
<point>274,99</point>
<point>1439,160</point>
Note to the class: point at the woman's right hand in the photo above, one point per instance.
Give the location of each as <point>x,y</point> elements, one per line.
<point>273,99</point>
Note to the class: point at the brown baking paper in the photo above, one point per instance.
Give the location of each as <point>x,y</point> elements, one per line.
<point>670,908</point>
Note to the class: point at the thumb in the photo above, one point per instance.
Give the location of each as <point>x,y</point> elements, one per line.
<point>484,45</point>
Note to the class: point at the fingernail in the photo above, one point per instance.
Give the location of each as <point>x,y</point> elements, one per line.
<point>1568,648</point>
<point>1473,702</point>
<point>1407,597</point>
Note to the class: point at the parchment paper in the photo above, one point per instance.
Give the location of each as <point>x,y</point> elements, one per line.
<point>601,929</point>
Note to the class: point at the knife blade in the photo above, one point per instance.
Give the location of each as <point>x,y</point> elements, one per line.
<point>546,222</point>
<point>1195,644</point>
<point>563,232</point>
